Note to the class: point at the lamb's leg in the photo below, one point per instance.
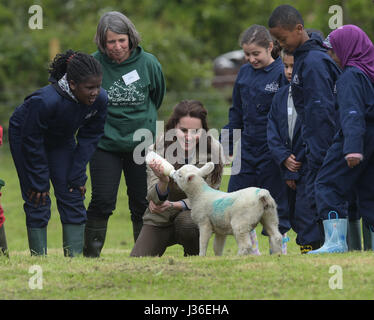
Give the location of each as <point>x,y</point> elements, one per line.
<point>244,242</point>
<point>219,243</point>
<point>205,234</point>
<point>275,238</point>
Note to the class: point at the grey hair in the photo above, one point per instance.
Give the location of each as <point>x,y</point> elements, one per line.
<point>116,22</point>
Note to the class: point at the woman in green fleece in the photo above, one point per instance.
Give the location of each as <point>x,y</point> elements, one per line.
<point>135,84</point>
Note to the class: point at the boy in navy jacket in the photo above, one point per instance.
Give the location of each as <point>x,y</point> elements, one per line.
<point>313,88</point>
<point>52,136</point>
<point>288,150</point>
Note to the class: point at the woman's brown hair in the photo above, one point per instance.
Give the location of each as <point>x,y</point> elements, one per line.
<point>193,109</point>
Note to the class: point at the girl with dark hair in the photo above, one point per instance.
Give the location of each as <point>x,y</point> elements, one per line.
<point>257,82</point>
<point>167,220</point>
<point>52,136</point>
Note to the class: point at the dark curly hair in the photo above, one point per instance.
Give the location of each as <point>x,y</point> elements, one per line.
<point>78,66</point>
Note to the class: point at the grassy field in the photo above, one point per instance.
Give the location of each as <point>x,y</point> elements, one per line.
<point>173,277</point>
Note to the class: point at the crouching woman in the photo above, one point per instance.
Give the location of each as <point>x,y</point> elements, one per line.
<point>167,220</point>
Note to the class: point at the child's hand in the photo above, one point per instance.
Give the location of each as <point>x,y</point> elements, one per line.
<point>291,184</point>
<point>38,197</point>
<point>353,159</point>
<point>81,189</point>
<point>291,164</point>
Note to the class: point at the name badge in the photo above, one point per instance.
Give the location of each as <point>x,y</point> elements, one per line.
<point>131,77</point>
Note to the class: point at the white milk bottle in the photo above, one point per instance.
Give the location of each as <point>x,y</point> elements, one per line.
<point>168,167</point>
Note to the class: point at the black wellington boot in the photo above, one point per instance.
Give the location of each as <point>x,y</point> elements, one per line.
<point>94,237</point>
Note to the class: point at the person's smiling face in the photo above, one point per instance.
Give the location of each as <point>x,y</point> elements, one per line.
<point>259,57</point>
<point>117,46</point>
<point>289,40</point>
<point>188,131</point>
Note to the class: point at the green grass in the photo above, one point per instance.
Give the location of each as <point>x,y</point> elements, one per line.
<point>117,276</point>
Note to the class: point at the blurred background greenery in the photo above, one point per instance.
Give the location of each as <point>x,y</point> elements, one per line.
<point>185,35</point>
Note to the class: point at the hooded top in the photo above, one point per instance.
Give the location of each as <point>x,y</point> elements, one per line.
<point>353,48</point>
<point>314,94</point>
<point>136,88</point>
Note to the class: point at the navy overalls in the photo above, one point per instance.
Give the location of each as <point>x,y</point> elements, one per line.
<point>52,137</point>
<point>251,100</point>
<point>302,218</point>
<point>314,94</point>
<point>335,180</point>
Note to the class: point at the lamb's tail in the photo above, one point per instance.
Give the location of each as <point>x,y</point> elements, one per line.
<point>267,200</point>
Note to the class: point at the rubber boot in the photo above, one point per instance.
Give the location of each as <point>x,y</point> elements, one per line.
<point>94,237</point>
<point>37,241</point>
<point>3,244</point>
<point>309,247</point>
<point>254,249</point>
<point>371,228</point>
<point>367,236</point>
<point>136,228</point>
<point>354,235</point>
<point>72,239</point>
<point>285,239</point>
<point>335,236</point>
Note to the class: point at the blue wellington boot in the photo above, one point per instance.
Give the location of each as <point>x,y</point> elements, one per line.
<point>335,236</point>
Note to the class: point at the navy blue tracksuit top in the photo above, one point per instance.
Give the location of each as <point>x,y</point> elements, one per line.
<point>251,100</point>
<point>313,84</point>
<point>48,119</point>
<point>279,141</point>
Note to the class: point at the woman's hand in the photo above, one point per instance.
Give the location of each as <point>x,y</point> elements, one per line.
<point>158,169</point>
<point>38,197</point>
<point>154,208</point>
<point>291,164</point>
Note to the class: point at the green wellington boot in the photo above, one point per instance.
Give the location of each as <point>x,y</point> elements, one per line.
<point>366,235</point>
<point>37,241</point>
<point>94,237</point>
<point>3,244</point>
<point>354,235</point>
<point>72,239</point>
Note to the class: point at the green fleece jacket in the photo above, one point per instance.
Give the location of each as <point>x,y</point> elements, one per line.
<point>135,90</point>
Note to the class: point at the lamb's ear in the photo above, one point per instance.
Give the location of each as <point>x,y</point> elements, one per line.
<point>206,169</point>
<point>190,177</point>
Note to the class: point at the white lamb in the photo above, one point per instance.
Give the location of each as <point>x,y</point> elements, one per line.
<point>223,213</point>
